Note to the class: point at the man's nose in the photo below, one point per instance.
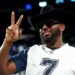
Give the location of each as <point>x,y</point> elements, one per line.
<point>44,27</point>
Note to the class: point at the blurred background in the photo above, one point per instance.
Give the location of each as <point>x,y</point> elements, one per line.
<point>30,8</point>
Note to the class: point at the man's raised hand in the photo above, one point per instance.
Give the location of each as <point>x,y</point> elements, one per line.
<point>13,32</point>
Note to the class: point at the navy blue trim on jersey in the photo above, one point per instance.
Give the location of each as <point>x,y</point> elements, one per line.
<point>21,60</point>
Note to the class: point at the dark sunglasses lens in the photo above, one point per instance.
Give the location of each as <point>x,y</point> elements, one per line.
<point>39,25</point>
<point>47,23</point>
<point>51,23</point>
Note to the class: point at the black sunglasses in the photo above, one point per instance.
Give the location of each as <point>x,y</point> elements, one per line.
<point>48,23</point>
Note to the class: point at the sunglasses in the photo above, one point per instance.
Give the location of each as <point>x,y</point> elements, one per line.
<point>48,23</point>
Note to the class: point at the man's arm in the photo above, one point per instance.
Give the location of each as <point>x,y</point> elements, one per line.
<point>12,34</point>
<point>6,67</point>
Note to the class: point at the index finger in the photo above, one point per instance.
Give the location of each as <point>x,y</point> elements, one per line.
<point>12,18</point>
<point>19,20</point>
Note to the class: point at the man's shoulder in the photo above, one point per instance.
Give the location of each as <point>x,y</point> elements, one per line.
<point>35,46</point>
<point>69,47</point>
<point>34,49</point>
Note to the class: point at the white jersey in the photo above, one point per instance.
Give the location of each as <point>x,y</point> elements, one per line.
<point>51,62</point>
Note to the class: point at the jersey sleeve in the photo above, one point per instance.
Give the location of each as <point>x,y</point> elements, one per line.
<point>20,60</point>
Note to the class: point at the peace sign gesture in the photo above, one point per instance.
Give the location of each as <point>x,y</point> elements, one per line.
<point>13,31</point>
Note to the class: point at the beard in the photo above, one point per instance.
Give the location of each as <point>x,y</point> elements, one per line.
<point>52,38</point>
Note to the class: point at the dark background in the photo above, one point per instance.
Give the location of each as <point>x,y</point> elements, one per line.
<point>7,6</point>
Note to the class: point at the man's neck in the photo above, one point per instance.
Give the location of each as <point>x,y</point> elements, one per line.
<point>57,44</point>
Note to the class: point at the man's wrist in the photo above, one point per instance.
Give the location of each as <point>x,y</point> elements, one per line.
<point>7,41</point>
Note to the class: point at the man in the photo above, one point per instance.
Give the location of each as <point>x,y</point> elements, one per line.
<point>52,57</point>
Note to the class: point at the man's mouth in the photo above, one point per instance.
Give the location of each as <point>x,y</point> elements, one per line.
<point>46,34</point>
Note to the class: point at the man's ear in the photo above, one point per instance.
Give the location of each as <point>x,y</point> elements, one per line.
<point>62,27</point>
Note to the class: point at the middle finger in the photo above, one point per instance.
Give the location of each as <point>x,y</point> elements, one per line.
<point>19,20</point>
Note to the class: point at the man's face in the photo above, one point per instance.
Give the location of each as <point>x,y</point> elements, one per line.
<point>49,33</point>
